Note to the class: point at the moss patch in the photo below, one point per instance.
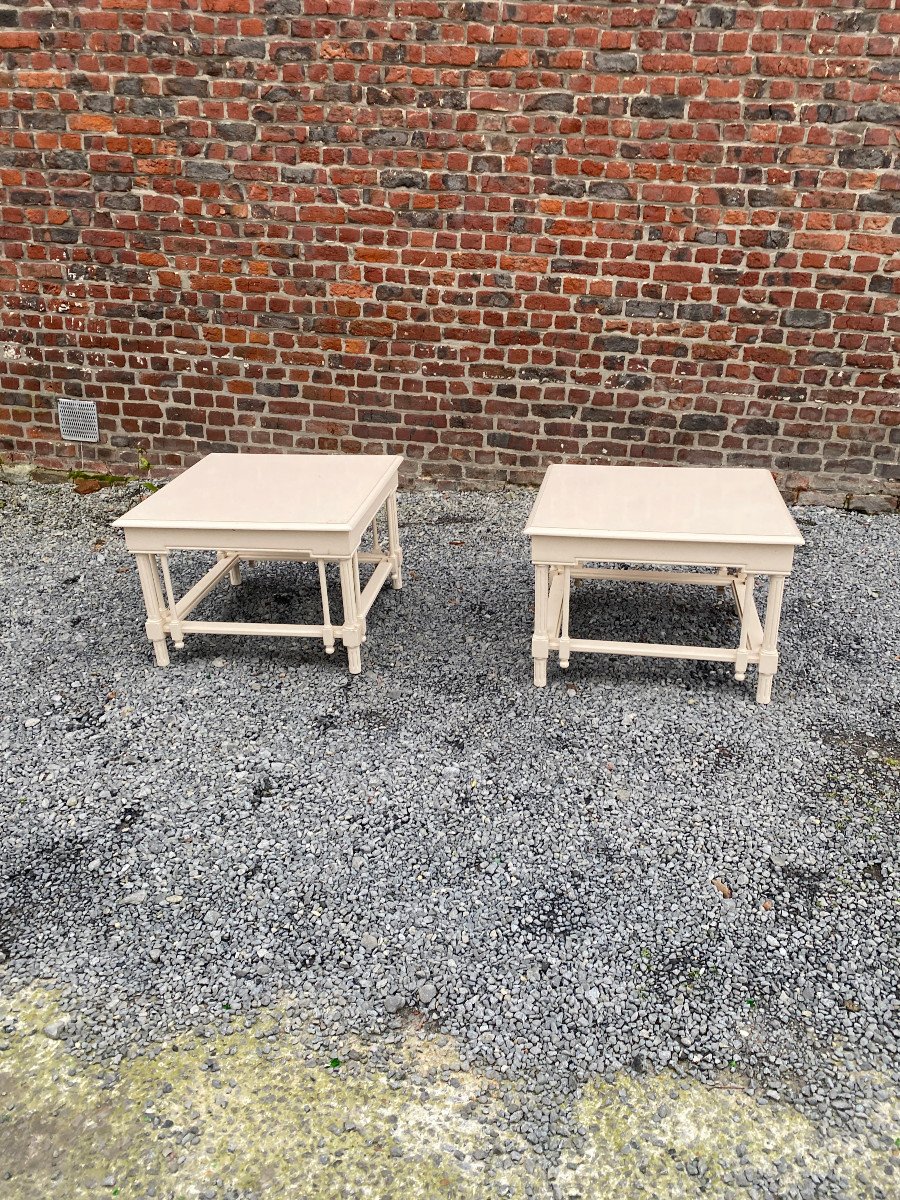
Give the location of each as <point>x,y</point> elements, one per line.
<point>256,1113</point>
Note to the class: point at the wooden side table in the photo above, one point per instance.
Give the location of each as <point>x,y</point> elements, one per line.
<point>733,519</point>
<point>302,508</point>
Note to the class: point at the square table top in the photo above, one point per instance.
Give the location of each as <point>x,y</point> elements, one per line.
<point>320,492</point>
<point>684,504</point>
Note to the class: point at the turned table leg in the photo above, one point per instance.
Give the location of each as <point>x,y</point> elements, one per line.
<point>153,603</point>
<point>351,634</point>
<point>540,643</point>
<point>768,655</point>
<point>394,543</point>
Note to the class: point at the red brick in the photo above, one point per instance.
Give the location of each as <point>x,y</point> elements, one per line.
<point>562,230</point>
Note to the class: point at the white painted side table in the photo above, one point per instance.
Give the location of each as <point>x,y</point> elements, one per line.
<point>250,507</point>
<point>733,519</point>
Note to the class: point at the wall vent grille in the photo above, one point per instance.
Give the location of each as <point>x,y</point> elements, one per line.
<point>78,421</point>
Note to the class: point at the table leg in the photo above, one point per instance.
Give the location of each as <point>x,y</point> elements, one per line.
<point>150,587</point>
<point>352,632</point>
<point>174,624</point>
<point>768,655</point>
<point>540,643</point>
<point>743,651</point>
<point>328,629</point>
<point>235,573</point>
<point>394,543</point>
<point>564,641</point>
<point>359,608</point>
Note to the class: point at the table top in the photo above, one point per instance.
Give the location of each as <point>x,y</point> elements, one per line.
<point>267,491</point>
<point>685,504</point>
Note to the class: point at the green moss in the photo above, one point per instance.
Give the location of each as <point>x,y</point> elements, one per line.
<point>294,1126</point>
<point>99,477</point>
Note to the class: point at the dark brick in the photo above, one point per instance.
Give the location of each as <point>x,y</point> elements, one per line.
<point>322,133</point>
<point>184,85</point>
<point>614,343</point>
<point>295,52</point>
<point>608,306</point>
<point>700,312</point>
<point>703,423</point>
<point>616,64</point>
<point>455,183</point>
<point>236,131</point>
<point>157,44</point>
<point>129,203</point>
<point>399,178</point>
<point>855,21</point>
<point>421,218</point>
<point>833,114</point>
<point>550,102</point>
<point>299,174</point>
<point>49,121</point>
<point>152,106</point>
<point>880,114</point>
<point>763,198</point>
<point>883,283</point>
<point>657,108</point>
<point>451,98</point>
<point>885,202</point>
<point>776,239</point>
<point>564,187</point>
<point>132,85</point>
<point>715,17</point>
<point>805,318</point>
<point>75,199</point>
<point>108,183</point>
<point>9,18</point>
<point>488,56</point>
<point>606,190</point>
<point>66,160</point>
<point>487,163</point>
<point>245,47</point>
<point>573,266</point>
<point>866,158</point>
<point>711,237</point>
<point>98,104</point>
<point>385,137</point>
<point>200,169</point>
<point>542,374</point>
<point>658,310</point>
<point>757,425</point>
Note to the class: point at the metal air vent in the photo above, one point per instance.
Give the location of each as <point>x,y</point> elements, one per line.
<point>78,421</point>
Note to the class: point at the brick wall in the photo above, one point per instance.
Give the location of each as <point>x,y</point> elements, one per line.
<point>490,234</point>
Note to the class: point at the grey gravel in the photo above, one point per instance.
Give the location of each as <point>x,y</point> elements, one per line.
<point>529,871</point>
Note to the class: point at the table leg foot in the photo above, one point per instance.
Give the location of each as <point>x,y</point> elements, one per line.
<point>394,543</point>
<point>354,658</point>
<point>161,651</point>
<point>764,689</point>
<point>540,672</point>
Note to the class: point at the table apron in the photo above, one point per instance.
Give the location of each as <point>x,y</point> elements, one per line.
<point>246,543</point>
<point>760,559</point>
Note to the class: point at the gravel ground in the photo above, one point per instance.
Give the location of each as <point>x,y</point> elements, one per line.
<point>636,868</point>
